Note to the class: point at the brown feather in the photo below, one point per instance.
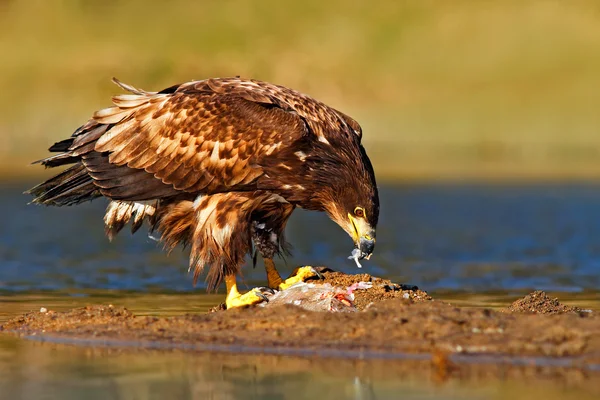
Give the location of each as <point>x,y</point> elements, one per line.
<point>253,150</point>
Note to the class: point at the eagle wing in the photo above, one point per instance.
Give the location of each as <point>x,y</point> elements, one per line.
<point>189,138</point>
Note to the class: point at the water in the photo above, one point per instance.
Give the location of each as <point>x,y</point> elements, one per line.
<point>467,238</point>
<point>473,245</point>
<point>36,370</point>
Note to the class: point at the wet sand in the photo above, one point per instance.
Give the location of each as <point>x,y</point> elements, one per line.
<point>392,320</point>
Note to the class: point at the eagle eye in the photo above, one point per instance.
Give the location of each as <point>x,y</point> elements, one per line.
<point>359,212</point>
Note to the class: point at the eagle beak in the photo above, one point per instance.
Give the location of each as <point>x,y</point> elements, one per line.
<point>364,238</point>
<point>366,246</point>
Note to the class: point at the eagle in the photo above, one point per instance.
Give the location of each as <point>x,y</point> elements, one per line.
<point>219,165</point>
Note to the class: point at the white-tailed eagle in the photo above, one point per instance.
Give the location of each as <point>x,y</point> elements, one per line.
<point>219,165</point>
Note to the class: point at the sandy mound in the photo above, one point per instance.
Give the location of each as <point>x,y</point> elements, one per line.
<point>539,302</point>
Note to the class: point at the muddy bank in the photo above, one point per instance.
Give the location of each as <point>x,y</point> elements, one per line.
<point>392,320</point>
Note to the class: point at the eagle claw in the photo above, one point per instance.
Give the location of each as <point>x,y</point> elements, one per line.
<point>264,292</point>
<point>319,271</point>
<point>252,297</point>
<point>301,274</point>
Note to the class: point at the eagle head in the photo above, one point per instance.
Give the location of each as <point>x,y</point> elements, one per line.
<point>358,216</point>
<point>354,205</point>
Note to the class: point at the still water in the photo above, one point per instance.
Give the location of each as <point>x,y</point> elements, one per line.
<point>33,370</point>
<point>473,245</point>
<point>466,238</point>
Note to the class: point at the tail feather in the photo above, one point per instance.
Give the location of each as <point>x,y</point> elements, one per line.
<point>43,187</point>
<point>72,186</point>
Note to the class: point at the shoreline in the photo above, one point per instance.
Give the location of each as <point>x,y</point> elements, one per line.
<point>389,323</point>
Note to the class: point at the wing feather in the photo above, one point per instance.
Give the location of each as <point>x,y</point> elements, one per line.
<point>187,140</point>
<point>206,136</point>
<point>118,180</point>
<point>90,137</point>
<point>142,159</point>
<point>187,180</point>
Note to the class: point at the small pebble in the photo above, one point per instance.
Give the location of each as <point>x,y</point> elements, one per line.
<point>405,296</point>
<point>43,310</point>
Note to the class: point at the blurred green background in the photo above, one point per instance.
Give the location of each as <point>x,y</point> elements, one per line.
<point>444,90</point>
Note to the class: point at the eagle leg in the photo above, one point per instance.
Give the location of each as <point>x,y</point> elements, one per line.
<point>273,276</point>
<point>300,274</point>
<point>236,299</point>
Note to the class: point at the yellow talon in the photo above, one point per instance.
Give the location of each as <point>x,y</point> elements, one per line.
<point>300,275</point>
<point>236,299</point>
<point>246,299</point>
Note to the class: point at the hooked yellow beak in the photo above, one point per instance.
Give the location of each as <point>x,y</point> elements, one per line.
<point>363,236</point>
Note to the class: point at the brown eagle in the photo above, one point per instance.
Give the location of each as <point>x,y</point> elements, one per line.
<point>219,165</point>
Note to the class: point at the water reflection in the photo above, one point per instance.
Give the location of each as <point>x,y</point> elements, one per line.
<point>43,370</point>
